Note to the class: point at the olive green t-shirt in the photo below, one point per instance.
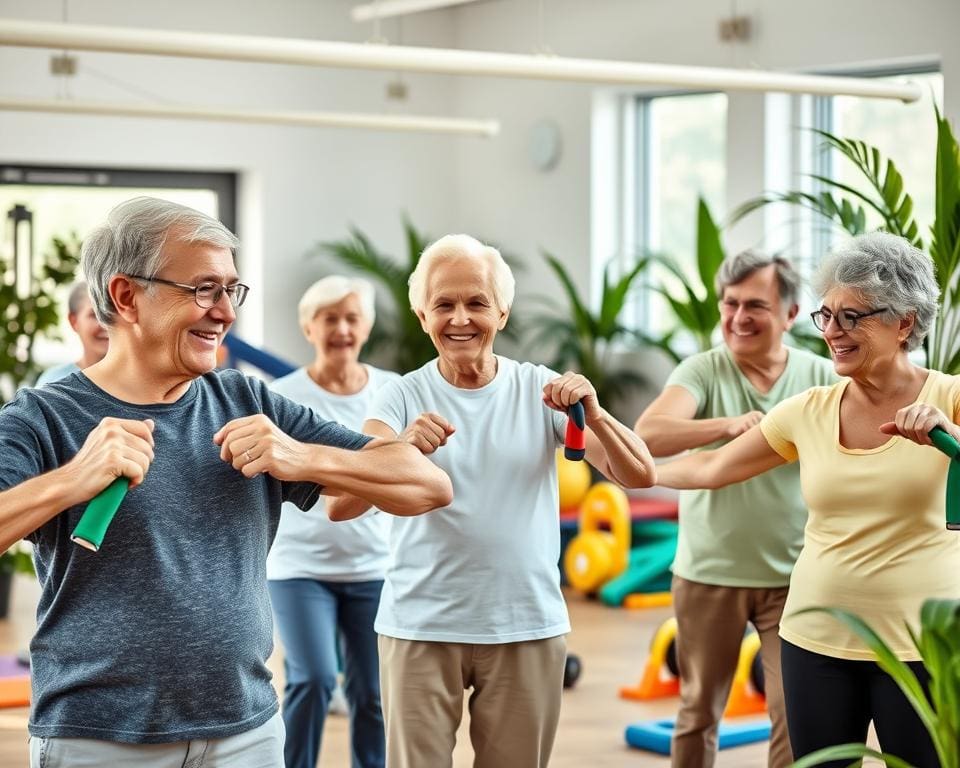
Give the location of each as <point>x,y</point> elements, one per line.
<point>748,534</point>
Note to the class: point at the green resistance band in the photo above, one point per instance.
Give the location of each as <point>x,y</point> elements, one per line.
<point>99,513</point>
<point>946,443</point>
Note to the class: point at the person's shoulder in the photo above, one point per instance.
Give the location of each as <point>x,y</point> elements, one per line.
<point>56,373</point>
<point>290,383</point>
<point>232,385</point>
<point>381,376</point>
<point>715,364</point>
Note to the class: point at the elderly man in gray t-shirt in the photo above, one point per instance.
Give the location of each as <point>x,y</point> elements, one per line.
<point>152,651</point>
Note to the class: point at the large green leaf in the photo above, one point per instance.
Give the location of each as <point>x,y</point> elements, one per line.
<point>709,250</point>
<point>846,752</point>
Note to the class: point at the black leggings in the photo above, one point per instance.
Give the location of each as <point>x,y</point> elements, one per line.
<point>832,701</point>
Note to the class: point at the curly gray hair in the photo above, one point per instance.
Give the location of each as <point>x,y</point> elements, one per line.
<point>887,271</point>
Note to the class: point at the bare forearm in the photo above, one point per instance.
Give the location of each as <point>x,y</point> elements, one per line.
<point>346,506</point>
<point>627,459</point>
<point>696,470</point>
<point>669,435</point>
<point>392,476</point>
<point>27,506</point>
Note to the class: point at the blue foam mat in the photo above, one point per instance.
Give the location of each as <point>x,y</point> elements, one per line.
<point>655,735</point>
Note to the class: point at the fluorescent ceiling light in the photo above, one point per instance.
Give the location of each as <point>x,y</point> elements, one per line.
<point>483,128</point>
<point>437,60</point>
<point>384,9</point>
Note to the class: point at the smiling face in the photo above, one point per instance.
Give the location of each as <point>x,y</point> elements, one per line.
<point>874,342</point>
<point>179,337</point>
<point>460,314</point>
<point>92,335</point>
<point>339,331</point>
<point>753,318</point>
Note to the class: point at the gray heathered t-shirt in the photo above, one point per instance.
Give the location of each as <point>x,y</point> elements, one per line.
<point>163,634</point>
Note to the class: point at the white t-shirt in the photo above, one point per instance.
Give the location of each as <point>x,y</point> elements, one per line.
<point>484,569</point>
<point>308,545</point>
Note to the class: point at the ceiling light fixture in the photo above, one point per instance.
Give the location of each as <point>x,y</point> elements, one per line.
<point>384,9</point>
<point>437,60</point>
<point>419,123</point>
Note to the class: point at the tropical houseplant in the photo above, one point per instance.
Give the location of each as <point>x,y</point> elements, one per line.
<point>26,318</point>
<point>884,195</point>
<point>939,648</point>
<point>397,336</point>
<point>585,340</point>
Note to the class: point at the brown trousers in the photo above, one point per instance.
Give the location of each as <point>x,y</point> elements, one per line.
<point>710,624</point>
<point>514,705</point>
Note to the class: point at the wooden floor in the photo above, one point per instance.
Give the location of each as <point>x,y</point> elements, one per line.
<point>612,644</point>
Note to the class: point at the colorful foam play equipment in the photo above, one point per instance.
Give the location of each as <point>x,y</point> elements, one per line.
<point>595,556</point>
<point>654,545</point>
<point>643,600</point>
<point>661,673</point>
<point>655,735</point>
<point>946,443</point>
<point>661,676</point>
<point>747,691</point>
<point>14,682</point>
<point>574,480</point>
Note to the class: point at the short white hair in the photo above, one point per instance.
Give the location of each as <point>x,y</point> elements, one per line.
<point>331,289</point>
<point>458,246</point>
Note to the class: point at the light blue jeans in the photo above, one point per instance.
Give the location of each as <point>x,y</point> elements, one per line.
<point>312,616</point>
<point>261,747</point>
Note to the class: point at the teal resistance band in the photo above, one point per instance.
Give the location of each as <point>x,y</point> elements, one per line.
<point>99,513</point>
<point>948,444</point>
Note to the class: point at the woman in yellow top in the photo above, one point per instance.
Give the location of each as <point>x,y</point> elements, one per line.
<point>875,541</point>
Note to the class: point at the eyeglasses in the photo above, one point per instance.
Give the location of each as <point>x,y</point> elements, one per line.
<point>205,294</point>
<point>847,319</point>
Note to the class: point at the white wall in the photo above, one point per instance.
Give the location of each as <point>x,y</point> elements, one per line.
<point>312,183</point>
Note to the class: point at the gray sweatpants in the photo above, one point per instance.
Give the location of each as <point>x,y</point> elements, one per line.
<point>261,747</point>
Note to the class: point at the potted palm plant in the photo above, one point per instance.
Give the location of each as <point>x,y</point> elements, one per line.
<point>585,340</point>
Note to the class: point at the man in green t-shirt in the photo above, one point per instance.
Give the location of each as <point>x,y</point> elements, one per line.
<point>737,544</point>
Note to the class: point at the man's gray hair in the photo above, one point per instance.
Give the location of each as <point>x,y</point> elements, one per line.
<point>736,269</point>
<point>79,295</point>
<point>887,271</point>
<point>454,246</point>
<point>131,243</point>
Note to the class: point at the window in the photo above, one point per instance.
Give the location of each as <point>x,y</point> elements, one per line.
<point>904,133</point>
<point>62,202</point>
<point>679,155</point>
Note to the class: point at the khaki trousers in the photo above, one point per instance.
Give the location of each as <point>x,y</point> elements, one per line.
<point>710,624</point>
<point>514,705</point>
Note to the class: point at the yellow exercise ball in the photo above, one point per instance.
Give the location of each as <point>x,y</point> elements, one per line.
<point>574,479</point>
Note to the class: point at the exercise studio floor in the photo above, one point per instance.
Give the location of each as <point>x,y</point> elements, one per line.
<point>612,644</point>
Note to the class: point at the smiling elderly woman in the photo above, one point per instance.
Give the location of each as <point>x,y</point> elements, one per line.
<point>875,542</point>
<point>325,578</point>
<point>472,597</point>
